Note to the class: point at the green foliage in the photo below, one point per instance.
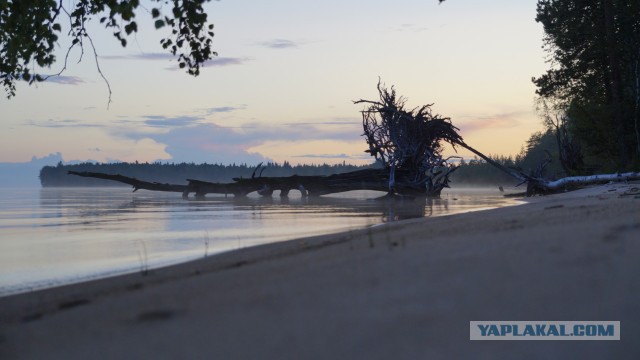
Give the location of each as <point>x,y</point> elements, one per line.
<point>29,31</point>
<point>594,51</point>
<point>54,176</point>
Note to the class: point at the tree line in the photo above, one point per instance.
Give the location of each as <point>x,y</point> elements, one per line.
<point>590,97</point>
<point>539,147</point>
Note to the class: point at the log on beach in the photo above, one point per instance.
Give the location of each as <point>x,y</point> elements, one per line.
<point>368,179</point>
<point>591,179</point>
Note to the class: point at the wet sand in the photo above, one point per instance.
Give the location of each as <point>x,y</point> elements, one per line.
<point>405,290</point>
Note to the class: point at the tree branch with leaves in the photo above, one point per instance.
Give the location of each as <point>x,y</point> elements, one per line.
<point>30,30</point>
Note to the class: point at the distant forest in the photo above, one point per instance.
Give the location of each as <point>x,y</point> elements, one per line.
<point>470,172</point>
<point>56,176</point>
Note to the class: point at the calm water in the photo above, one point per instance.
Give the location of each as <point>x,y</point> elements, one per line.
<point>50,237</point>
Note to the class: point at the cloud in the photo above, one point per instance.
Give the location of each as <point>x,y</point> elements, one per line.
<point>217,61</point>
<point>334,156</point>
<point>65,80</point>
<point>493,121</point>
<point>279,44</point>
<point>225,61</point>
<point>190,138</point>
<point>50,123</point>
<point>411,28</point>
<point>330,129</point>
<point>341,121</point>
<point>303,131</point>
<point>168,122</point>
<point>208,143</point>
<point>144,56</point>
<point>224,109</point>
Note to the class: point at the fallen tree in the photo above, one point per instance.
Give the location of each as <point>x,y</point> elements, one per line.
<point>561,184</point>
<point>368,179</point>
<point>409,141</point>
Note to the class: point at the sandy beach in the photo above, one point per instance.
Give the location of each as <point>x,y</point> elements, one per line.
<point>405,290</point>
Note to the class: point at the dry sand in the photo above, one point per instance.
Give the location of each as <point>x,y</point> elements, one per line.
<point>399,291</point>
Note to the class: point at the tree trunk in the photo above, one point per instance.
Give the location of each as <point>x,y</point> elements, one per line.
<point>615,81</point>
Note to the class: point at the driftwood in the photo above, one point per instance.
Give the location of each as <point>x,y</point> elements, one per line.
<point>544,186</point>
<point>369,179</point>
<point>137,184</point>
<point>409,141</point>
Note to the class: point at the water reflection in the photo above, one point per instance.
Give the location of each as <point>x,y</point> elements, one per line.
<point>97,205</point>
<point>54,236</point>
<point>383,210</point>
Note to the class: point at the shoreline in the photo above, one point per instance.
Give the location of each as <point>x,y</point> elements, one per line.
<point>559,257</point>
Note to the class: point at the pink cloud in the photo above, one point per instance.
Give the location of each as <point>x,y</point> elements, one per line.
<point>493,121</point>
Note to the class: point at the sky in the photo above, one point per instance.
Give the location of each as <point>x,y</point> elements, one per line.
<point>283,85</point>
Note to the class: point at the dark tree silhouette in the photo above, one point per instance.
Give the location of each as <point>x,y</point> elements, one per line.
<point>594,49</point>
<point>557,121</point>
<point>29,31</point>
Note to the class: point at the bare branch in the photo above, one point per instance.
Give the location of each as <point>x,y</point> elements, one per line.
<point>95,54</point>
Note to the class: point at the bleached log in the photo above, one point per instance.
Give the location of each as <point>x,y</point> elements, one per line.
<point>586,180</point>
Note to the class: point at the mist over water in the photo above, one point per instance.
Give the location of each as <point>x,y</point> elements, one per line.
<point>55,236</point>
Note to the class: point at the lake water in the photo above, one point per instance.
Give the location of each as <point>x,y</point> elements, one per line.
<point>55,236</point>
